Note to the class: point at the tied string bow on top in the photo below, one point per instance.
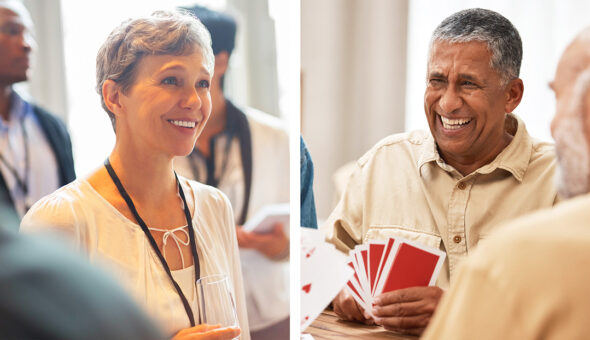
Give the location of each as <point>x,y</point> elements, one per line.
<point>171,233</point>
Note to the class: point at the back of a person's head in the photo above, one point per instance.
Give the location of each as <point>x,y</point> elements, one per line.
<point>221,26</point>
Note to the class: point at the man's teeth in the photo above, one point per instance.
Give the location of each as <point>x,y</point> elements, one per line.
<point>453,124</point>
<point>183,123</point>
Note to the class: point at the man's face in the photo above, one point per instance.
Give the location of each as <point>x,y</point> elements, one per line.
<point>14,48</point>
<point>464,101</point>
<point>571,142</point>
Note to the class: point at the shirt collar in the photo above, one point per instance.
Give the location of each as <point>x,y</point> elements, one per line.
<point>515,157</point>
<point>19,108</point>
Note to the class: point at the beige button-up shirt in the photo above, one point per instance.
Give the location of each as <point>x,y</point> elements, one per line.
<point>529,281</point>
<point>403,188</point>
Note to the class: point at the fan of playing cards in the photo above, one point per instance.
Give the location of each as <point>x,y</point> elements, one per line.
<point>383,266</point>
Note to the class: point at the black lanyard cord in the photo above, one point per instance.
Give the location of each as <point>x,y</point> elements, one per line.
<point>22,183</point>
<point>152,241</point>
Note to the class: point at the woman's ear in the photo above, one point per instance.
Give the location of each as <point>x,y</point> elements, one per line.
<point>111,95</point>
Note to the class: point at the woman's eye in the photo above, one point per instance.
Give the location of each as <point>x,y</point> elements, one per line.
<point>170,81</point>
<point>203,83</point>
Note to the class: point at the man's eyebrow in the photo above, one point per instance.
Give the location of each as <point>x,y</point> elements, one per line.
<point>436,74</point>
<point>467,76</point>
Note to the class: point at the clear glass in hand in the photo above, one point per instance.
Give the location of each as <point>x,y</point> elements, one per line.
<point>216,302</point>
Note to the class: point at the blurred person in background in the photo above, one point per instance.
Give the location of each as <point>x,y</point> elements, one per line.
<point>245,153</point>
<point>35,148</point>
<point>308,212</point>
<point>48,292</point>
<point>529,280</point>
<point>155,232</point>
<point>449,188</point>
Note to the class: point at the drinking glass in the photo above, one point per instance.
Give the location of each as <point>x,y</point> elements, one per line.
<point>216,303</point>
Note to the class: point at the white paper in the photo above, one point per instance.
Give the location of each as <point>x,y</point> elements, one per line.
<point>266,218</point>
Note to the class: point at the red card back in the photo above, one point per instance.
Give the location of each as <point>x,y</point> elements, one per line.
<point>412,267</point>
<point>375,254</point>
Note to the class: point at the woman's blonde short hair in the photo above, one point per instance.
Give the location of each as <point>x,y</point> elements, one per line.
<point>163,32</point>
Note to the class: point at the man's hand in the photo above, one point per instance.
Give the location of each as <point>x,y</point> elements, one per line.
<point>207,332</point>
<point>407,310</point>
<point>273,245</point>
<point>347,309</point>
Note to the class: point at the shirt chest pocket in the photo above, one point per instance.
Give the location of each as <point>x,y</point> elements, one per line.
<point>384,232</point>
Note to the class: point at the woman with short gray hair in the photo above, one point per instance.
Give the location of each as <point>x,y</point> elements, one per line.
<point>155,231</point>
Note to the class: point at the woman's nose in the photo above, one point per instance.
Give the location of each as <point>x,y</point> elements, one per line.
<point>191,101</point>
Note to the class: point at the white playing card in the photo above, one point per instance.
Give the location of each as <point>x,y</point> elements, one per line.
<point>323,274</point>
<point>354,287</point>
<point>360,258</point>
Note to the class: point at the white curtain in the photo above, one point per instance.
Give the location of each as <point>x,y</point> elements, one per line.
<point>353,61</point>
<point>47,84</point>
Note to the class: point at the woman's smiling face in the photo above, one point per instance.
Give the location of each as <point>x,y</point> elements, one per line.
<point>168,104</point>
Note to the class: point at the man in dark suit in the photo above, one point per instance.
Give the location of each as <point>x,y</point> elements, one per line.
<point>35,147</point>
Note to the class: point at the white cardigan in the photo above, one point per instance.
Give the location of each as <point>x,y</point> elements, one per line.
<point>118,245</point>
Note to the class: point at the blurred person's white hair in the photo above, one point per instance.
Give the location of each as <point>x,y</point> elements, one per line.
<point>573,160</point>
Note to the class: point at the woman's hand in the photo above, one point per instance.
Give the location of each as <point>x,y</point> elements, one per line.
<point>207,332</point>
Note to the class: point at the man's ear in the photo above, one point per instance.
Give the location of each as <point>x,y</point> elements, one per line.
<point>111,93</point>
<point>221,63</point>
<point>514,91</point>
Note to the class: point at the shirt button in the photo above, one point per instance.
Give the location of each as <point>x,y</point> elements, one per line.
<point>457,239</point>
<point>461,186</point>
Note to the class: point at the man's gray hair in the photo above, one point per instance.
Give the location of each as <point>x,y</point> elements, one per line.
<point>487,26</point>
<point>163,32</point>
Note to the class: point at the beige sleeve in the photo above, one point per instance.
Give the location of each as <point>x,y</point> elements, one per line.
<point>476,307</point>
<point>344,227</point>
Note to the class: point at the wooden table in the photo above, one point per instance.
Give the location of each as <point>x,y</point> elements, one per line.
<point>327,326</point>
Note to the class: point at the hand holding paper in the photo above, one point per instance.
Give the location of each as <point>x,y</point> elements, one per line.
<point>274,244</point>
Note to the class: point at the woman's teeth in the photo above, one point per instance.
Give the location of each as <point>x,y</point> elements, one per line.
<point>183,123</point>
